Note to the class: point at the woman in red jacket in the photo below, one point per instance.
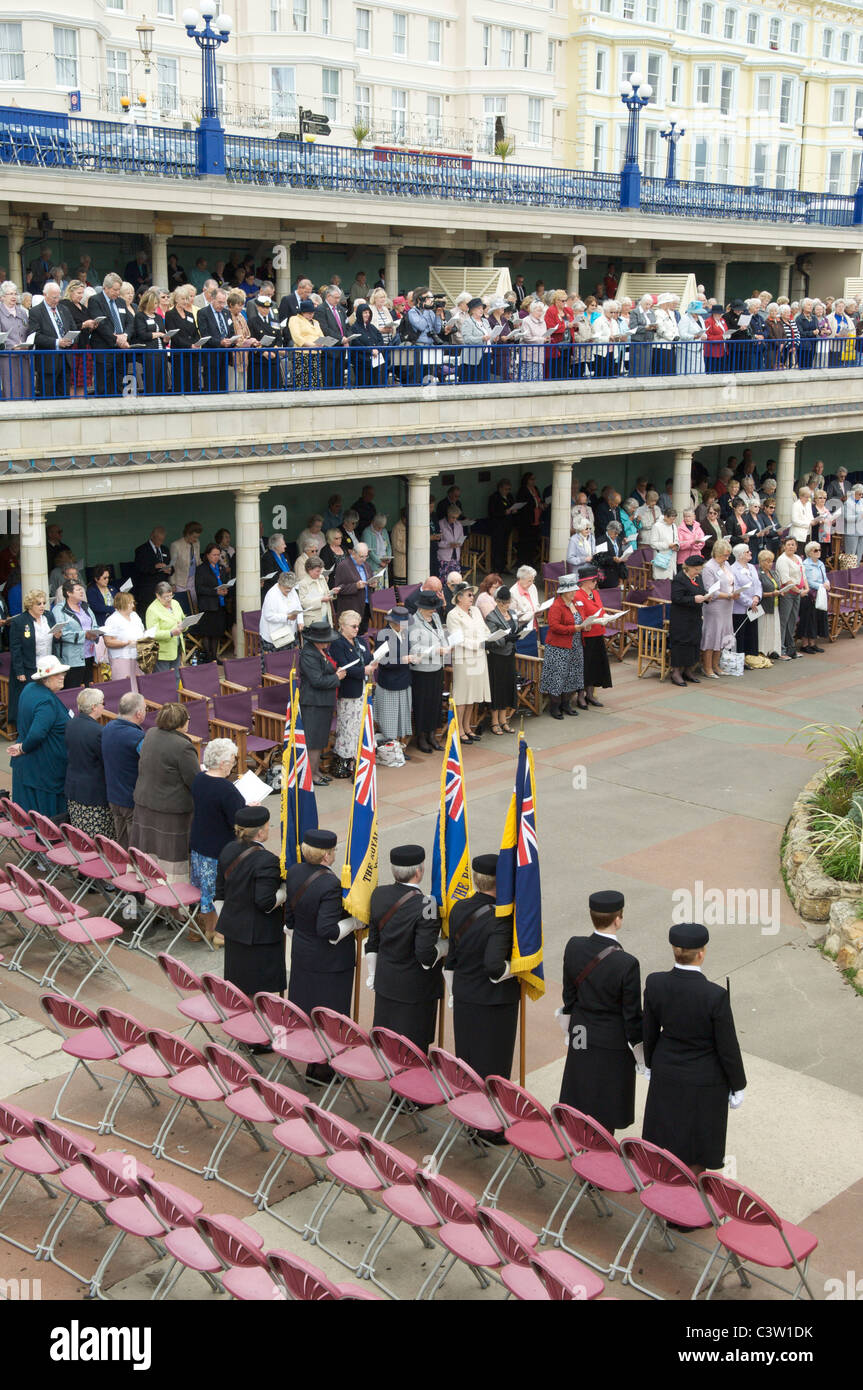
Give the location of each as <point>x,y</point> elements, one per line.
<point>559,320</point>
<point>588,604</point>
<point>714,348</point>
<point>562,662</point>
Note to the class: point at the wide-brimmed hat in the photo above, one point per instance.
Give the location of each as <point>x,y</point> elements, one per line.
<point>48,666</point>
<point>427,599</point>
<point>306,306</point>
<point>398,614</point>
<point>695,307</point>
<point>319,631</point>
<point>588,571</point>
<point>664,299</point>
<point>567,582</point>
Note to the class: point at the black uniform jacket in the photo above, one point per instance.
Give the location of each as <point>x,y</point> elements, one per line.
<point>314,920</point>
<point>406,966</point>
<point>689,1031</point>
<point>686,614</point>
<point>608,1002</point>
<point>318,680</point>
<point>480,954</point>
<point>249,914</point>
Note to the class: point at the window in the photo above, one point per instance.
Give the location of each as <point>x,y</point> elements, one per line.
<point>550,54</point>
<point>651,140</point>
<point>363,105</point>
<point>726,91</point>
<point>763,94</point>
<point>117,63</point>
<point>525,49</point>
<point>699,160</point>
<point>399,108</point>
<point>66,57</point>
<point>774,35</point>
<point>165,9</point>
<point>325,17</point>
<point>275,16</point>
<point>651,11</point>
<point>301,16</point>
<point>703,85</point>
<point>628,64</point>
<point>855,171</point>
<point>675,83</point>
<point>599,149</point>
<point>860,51</point>
<point>506,48</point>
<point>795,38</point>
<point>494,122</point>
<point>759,165</point>
<point>723,160</point>
<point>839,105</point>
<point>786,99</point>
<point>330,92</point>
<point>827,48</point>
<point>486,45</point>
<point>729,28</point>
<point>168,89</point>
<point>858,104</point>
<point>605,6</point>
<point>400,35</point>
<point>707,19</point>
<point>364,30</point>
<point>283,94</point>
<point>434,119</point>
<point>435,31</point>
<point>534,121</point>
<point>220,86</point>
<point>753,24</point>
<point>845,47</point>
<point>683,14</point>
<point>629,9</point>
<point>654,76</point>
<point>601,71</point>
<point>783,162</point>
<point>115,4</point>
<point>11,53</point>
<point>835,163</point>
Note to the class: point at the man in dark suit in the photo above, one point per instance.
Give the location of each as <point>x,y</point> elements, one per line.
<point>113,332</point>
<point>351,578</point>
<point>519,289</point>
<point>485,997</point>
<point>602,1008</point>
<point>402,952</point>
<point>152,565</point>
<point>51,375</point>
<point>137,273</point>
<point>214,323</point>
<point>365,509</point>
<point>612,569</point>
<point>333,320</point>
<point>40,269</point>
<point>692,1052</point>
<point>290,303</point>
<point>452,499</point>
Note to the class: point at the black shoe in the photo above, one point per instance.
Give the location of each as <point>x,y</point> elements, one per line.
<point>320,781</point>
<point>568,709</point>
<point>679,680</point>
<point>319,1073</point>
<point>772,656</point>
<point>819,650</point>
<point>793,656</point>
<point>476,735</point>
<point>596,703</point>
<point>259,1049</point>
<point>692,680</point>
<point>435,746</point>
<point>407,757</point>
<point>808,651</point>
<point>555,714</point>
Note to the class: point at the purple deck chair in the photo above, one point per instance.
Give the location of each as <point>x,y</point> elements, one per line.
<point>201,681</point>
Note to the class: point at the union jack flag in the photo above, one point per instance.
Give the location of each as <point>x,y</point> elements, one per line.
<point>518,886</point>
<point>360,871</point>
<point>451,879</point>
<point>527,841</point>
<point>366,773</point>
<point>299,807</point>
<point>454,790</point>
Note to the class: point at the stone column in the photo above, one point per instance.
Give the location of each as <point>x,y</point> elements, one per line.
<point>719,282</point>
<point>682,481</point>
<point>391,271</point>
<point>785,480</point>
<point>34,556</point>
<point>247,542</point>
<point>159,259</point>
<point>561,509</point>
<point>419,493</point>
<point>650,265</point>
<point>17,232</point>
<point>282,267</point>
<point>572,274</point>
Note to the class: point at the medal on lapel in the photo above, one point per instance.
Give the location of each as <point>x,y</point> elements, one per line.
<point>27,632</point>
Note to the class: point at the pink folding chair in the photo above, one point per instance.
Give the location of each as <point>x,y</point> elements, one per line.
<point>350,1054</point>
<point>58,855</point>
<point>467,1104</point>
<point>751,1233</point>
<point>84,1039</point>
<point>246,1108</point>
<point>668,1192</point>
<point>411,1078</point>
<point>244,1272</point>
<point>528,1131</point>
<point>597,1169</point>
<point>78,1185</point>
<point>138,1062</point>
<point>304,1283</point>
<point>126,1210</point>
<point>290,1032</point>
<point>26,1157</point>
<point>294,1136</point>
<point>238,1018</point>
<point>19,894</point>
<point>90,937</point>
<point>194,1003</point>
<point>10,830</point>
<point>182,900</point>
<point>401,1199</point>
<point>517,1255</point>
<point>86,860</point>
<point>32,843</point>
<point>460,1233</point>
<point>123,878</point>
<point>178,1211</point>
<point>559,1285</point>
<point>348,1168</point>
<point>190,1080</point>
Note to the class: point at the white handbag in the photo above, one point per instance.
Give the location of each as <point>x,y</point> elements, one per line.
<point>821,598</point>
<point>731,663</point>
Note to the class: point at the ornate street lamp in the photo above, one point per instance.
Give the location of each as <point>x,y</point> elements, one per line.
<point>209,32</point>
<point>145,34</point>
<point>635,94</point>
<point>672,135</point>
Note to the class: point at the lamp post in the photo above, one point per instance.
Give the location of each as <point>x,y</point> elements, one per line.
<point>634,94</point>
<point>857,217</point>
<point>672,135</point>
<point>209,36</point>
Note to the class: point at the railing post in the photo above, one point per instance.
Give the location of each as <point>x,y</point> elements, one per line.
<point>211,148</point>
<point>857,216</point>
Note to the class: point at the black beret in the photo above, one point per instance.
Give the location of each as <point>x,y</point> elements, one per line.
<point>609,901</point>
<point>251,817</point>
<point>689,936</point>
<point>427,599</point>
<point>485,864</point>
<point>321,839</point>
<point>694,561</point>
<point>407,856</point>
<point>503,593</point>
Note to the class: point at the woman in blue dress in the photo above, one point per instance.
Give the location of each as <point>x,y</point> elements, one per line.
<point>39,756</point>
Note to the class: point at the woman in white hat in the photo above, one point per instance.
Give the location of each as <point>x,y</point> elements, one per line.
<point>39,756</point>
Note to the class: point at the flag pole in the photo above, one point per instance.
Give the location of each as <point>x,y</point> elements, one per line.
<point>441,1019</point>
<point>522,1040</point>
<point>359,936</point>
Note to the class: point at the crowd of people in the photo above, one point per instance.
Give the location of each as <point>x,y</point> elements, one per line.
<point>229,331</point>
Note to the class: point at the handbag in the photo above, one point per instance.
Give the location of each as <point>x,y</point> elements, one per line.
<point>821,598</point>
<point>731,663</point>
<point>148,655</point>
<point>662,559</point>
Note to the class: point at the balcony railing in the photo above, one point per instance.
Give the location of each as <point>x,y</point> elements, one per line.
<point>51,140</point>
<point>27,374</point>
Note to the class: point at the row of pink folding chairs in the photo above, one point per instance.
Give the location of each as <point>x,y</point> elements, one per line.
<point>124,1194</point>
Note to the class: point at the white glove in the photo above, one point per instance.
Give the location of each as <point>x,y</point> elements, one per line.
<point>346,926</point>
<point>441,948</point>
<point>371,966</point>
<point>637,1050</point>
<point>562,1020</point>
<point>218,904</point>
<point>448,974</point>
<point>281,896</point>
<point>735,1100</point>
<point>505,976</point>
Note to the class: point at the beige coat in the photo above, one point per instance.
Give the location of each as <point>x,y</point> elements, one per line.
<point>469,666</point>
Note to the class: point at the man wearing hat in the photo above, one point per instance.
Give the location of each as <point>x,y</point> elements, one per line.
<point>485,997</point>
<point>602,1007</point>
<point>393,695</point>
<point>691,1049</point>
<point>322,949</point>
<point>248,895</point>
<point>402,952</point>
<point>319,683</point>
<point>687,600</point>
<point>428,645</point>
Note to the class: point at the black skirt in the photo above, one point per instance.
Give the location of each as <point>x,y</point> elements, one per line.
<point>596,668</point>
<point>329,989</point>
<point>317,722</point>
<point>427,692</point>
<point>684,654</point>
<point>414,1021</point>
<point>501,680</point>
<point>806,625</point>
<point>253,968</point>
<point>485,1036</point>
<point>210,624</point>
<point>689,1121</point>
<point>745,635</point>
<point>601,1083</point>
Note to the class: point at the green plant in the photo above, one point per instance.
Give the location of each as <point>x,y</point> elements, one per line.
<point>504,149</point>
<point>359,130</point>
<point>840,847</point>
<point>845,744</point>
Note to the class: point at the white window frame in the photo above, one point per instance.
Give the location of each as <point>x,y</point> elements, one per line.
<point>534,120</point>
<point>795,37</point>
<point>551,58</point>
<point>753,29</point>
<point>760,163</point>
<point>682,14</point>
<point>493,108</point>
<point>655,76</point>
<point>783,166</point>
<point>399,112</point>
<point>835,170</point>
<point>486,45</point>
<point>786,101</point>
<point>845,46</point>
<point>839,106</point>
<point>283,95</point>
<point>11,52</point>
<point>651,12</point>
<point>651,152</point>
<point>363,104</point>
<point>774,34</point>
<point>600,146</point>
<point>700,166</point>
<point>827,37</point>
<point>727,90</point>
<point>724,168</point>
<point>729,23</point>
<point>858,104</point>
<point>300,16</point>
<point>400,34</point>
<point>600,70</point>
<point>628,63</point>
<point>434,118</point>
<point>628,9</point>
<point>605,6</point>
<point>676,83</point>
<point>66,62</point>
<point>506,47</point>
<point>763,95</point>
<point>118,76</point>
<point>708,14</point>
<point>165,9</point>
<point>330,99</point>
<point>526,38</point>
<point>326,18</point>
<point>435,40</point>
<point>703,85</point>
<point>363,30</point>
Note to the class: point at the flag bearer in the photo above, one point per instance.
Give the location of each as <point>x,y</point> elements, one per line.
<point>402,951</point>
<point>485,997</point>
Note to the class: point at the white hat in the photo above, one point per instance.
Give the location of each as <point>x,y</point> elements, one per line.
<point>48,666</point>
<point>567,582</point>
<point>664,299</point>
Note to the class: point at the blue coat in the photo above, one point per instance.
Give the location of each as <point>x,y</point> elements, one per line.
<point>72,640</point>
<point>39,772</point>
<point>85,771</point>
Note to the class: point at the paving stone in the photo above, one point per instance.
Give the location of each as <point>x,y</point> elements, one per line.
<point>19,1028</point>
<point>39,1044</point>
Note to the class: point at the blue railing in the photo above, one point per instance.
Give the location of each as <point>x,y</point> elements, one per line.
<point>28,374</point>
<point>47,139</point>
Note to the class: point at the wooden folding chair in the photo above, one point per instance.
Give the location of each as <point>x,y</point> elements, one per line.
<point>528,670</point>
<point>652,650</point>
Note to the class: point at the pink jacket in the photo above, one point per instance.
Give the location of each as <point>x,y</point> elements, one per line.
<point>691,539</point>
